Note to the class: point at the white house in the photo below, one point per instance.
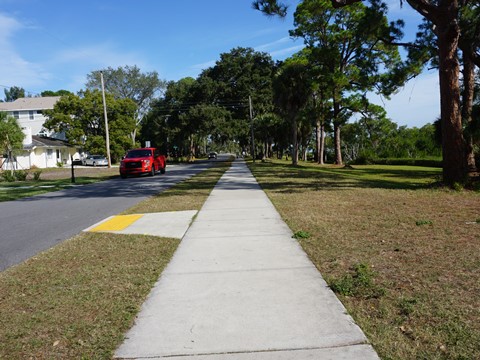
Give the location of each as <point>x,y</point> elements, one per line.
<point>29,113</point>
<point>41,148</point>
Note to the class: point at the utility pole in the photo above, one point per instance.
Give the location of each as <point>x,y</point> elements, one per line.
<point>107,136</point>
<point>251,125</point>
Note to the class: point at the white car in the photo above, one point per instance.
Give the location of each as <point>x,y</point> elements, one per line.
<point>96,160</point>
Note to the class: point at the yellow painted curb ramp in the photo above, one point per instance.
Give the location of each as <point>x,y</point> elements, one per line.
<point>117,223</point>
<point>171,224</point>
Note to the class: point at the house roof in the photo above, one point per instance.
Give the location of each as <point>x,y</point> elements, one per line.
<point>40,141</point>
<point>34,103</point>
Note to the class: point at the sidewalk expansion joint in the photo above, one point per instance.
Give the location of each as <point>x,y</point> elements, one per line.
<point>252,351</point>
<point>166,273</point>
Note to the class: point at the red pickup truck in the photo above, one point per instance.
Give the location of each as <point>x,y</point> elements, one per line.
<point>142,161</point>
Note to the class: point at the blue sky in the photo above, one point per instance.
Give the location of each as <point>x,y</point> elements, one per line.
<point>54,44</point>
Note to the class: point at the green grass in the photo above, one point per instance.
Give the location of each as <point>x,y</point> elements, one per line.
<point>77,300</point>
<point>16,190</point>
<point>360,176</point>
<point>52,179</point>
<point>402,253</point>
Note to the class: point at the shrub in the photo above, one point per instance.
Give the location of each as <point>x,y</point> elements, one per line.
<point>363,159</point>
<point>21,175</point>
<point>7,176</point>
<point>59,164</point>
<point>36,174</point>
<point>408,162</point>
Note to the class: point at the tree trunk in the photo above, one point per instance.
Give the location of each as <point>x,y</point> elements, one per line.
<point>467,105</point>
<point>338,148</point>
<point>453,144</point>
<point>192,147</point>
<point>318,138</point>
<point>295,142</point>
<point>336,131</point>
<point>134,136</point>
<point>322,144</point>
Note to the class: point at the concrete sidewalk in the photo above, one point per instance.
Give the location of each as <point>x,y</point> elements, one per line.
<point>239,287</point>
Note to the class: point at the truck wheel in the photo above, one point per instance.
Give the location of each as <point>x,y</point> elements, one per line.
<point>123,176</point>
<point>152,172</point>
<point>162,170</point>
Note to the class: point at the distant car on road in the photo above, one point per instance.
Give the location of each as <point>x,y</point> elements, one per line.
<point>212,155</point>
<point>96,160</point>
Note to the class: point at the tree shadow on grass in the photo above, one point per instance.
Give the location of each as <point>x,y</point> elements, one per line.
<point>290,179</point>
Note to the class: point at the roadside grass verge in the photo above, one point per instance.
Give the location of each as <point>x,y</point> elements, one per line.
<point>53,180</point>
<point>78,299</point>
<point>402,255</point>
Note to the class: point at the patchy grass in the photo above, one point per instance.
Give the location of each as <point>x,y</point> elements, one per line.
<point>78,299</point>
<point>414,290</point>
<point>53,180</point>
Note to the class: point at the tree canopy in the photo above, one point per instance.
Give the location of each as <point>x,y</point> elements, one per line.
<point>129,82</point>
<point>14,93</point>
<point>81,118</point>
<point>11,135</point>
<point>213,109</point>
<point>55,93</point>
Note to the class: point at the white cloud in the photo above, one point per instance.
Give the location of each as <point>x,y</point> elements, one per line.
<point>8,26</point>
<point>14,69</point>
<point>73,64</point>
<point>203,66</point>
<point>287,51</point>
<point>273,44</point>
<point>277,48</point>
<point>100,55</point>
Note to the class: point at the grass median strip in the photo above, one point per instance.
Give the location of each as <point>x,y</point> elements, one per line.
<point>414,290</point>
<point>78,299</point>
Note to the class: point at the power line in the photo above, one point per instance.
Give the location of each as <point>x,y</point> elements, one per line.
<point>185,106</point>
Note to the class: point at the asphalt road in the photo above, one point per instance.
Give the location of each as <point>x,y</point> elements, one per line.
<point>31,225</point>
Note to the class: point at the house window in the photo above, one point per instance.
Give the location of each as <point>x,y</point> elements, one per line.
<point>31,115</point>
<point>16,115</point>
<point>58,154</point>
<point>49,153</point>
